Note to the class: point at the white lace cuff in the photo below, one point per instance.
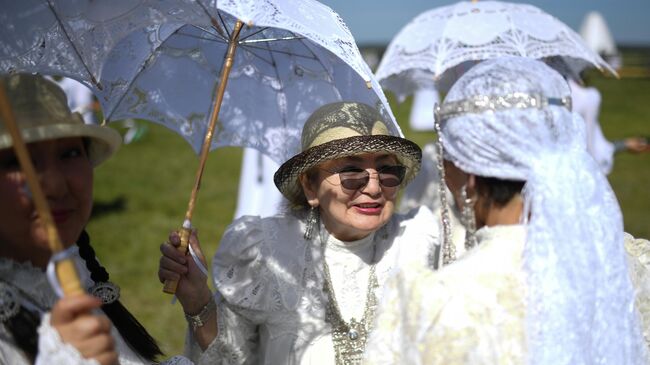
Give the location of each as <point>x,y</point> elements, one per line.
<point>53,351</point>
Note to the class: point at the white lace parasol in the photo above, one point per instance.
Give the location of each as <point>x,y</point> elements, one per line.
<point>445,37</point>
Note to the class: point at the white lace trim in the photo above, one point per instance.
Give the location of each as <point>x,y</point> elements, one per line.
<point>439,39</point>
<point>52,350</point>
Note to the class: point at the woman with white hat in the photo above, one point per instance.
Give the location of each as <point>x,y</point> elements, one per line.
<point>37,327</point>
<point>301,287</point>
<point>548,280</point>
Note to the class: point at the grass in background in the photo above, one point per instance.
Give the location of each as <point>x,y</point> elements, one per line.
<point>141,194</point>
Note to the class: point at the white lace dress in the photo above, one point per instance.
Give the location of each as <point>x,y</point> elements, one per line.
<point>271,302</point>
<point>472,312</point>
<point>32,285</point>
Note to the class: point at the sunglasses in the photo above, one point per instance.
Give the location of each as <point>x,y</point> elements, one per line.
<point>354,178</point>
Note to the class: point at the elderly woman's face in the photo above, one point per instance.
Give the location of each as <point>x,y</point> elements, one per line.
<point>66,177</point>
<point>354,209</point>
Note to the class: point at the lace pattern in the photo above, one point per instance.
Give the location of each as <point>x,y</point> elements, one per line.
<point>638,253</point>
<point>570,205</point>
<point>74,40</point>
<point>438,40</point>
<point>474,309</point>
<point>317,57</point>
<point>52,350</point>
<point>270,281</point>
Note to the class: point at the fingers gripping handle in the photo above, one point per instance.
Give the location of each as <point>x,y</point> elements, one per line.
<point>170,285</point>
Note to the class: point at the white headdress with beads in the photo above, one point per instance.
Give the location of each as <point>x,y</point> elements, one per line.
<point>510,118</point>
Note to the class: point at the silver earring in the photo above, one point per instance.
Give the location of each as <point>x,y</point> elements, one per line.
<point>312,221</point>
<point>468,217</point>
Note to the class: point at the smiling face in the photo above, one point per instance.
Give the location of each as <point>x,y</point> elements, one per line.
<point>66,177</point>
<point>351,214</point>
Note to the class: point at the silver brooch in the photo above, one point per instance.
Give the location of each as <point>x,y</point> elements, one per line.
<point>106,291</point>
<point>9,302</point>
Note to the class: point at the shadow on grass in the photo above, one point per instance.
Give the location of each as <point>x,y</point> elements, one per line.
<point>101,208</point>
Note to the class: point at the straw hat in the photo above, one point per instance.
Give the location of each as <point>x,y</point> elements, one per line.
<point>339,130</point>
<point>41,111</point>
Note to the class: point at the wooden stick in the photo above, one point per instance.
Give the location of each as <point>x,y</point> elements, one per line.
<point>170,285</point>
<point>65,269</point>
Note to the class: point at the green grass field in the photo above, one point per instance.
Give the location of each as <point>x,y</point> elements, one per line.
<point>141,194</point>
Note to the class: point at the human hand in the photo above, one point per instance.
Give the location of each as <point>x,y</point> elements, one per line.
<point>89,333</point>
<point>192,291</point>
<point>637,144</point>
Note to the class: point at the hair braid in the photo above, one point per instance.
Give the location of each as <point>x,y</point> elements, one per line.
<point>133,332</point>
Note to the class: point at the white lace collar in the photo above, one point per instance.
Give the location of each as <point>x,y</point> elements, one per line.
<point>31,282</point>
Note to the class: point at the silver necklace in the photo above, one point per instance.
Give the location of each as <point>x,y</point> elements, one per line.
<point>349,338</point>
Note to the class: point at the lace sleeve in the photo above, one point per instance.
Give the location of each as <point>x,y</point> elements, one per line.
<point>638,253</point>
<point>53,351</point>
<point>257,274</point>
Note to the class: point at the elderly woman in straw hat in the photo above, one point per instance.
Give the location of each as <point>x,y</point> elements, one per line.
<point>301,287</point>
<point>548,281</point>
<point>35,325</point>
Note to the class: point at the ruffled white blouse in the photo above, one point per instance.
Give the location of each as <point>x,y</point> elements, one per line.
<point>269,280</point>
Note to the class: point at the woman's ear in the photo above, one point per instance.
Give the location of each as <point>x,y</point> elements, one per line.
<point>472,188</point>
<point>309,190</point>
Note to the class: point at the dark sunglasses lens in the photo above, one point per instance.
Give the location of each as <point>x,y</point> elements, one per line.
<point>354,182</point>
<point>391,176</point>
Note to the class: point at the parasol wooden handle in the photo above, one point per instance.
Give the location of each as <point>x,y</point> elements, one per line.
<point>170,288</point>
<point>170,285</point>
<point>65,269</point>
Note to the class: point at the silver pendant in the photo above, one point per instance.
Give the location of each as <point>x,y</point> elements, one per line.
<point>9,302</point>
<point>106,291</point>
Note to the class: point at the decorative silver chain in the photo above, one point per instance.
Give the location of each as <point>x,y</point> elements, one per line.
<point>349,338</point>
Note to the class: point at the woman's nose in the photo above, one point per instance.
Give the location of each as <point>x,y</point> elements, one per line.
<point>372,187</point>
<point>52,179</point>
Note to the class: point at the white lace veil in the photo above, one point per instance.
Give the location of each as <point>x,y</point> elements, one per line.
<point>510,118</point>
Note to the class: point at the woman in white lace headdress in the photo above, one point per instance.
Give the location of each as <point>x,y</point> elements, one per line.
<point>548,281</point>
<point>301,287</point>
<point>35,326</point>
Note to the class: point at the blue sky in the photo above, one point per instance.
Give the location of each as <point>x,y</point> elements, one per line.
<point>377,21</point>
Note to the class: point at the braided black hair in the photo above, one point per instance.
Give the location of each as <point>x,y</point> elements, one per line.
<point>133,332</point>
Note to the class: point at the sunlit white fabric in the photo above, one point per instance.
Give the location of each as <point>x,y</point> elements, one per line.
<point>269,279</point>
<point>586,102</point>
<point>73,37</point>
<point>292,57</point>
<point>257,194</point>
<point>574,237</point>
<point>455,35</point>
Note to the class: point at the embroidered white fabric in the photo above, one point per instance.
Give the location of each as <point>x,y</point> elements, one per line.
<point>52,350</point>
<point>286,50</point>
<point>444,37</point>
<point>269,281</point>
<point>36,290</point>
<point>581,301</point>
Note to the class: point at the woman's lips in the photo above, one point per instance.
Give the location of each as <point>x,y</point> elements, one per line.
<point>368,208</point>
<point>61,215</point>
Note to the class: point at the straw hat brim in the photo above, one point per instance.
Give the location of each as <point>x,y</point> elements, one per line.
<point>287,177</point>
<point>104,141</point>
